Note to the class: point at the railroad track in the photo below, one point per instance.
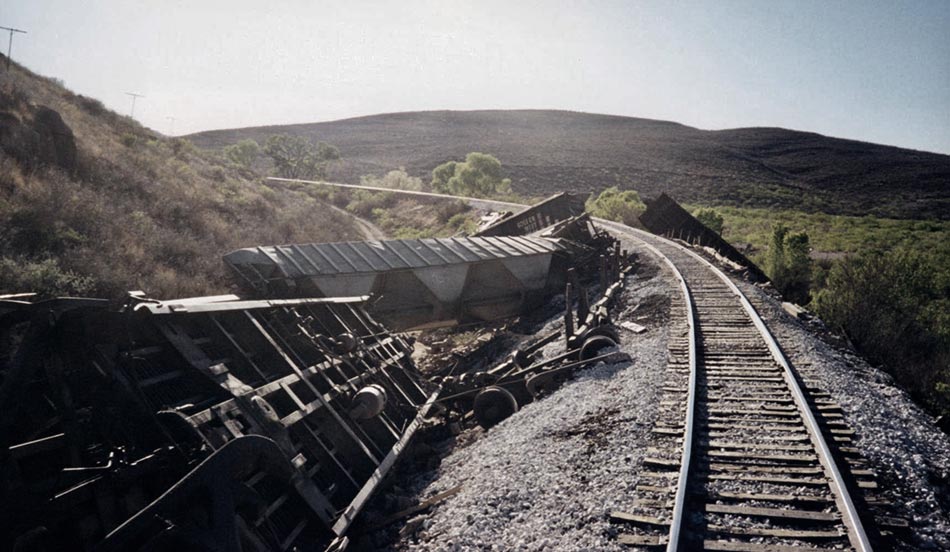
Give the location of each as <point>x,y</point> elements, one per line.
<point>749,454</point>
<point>748,457</point>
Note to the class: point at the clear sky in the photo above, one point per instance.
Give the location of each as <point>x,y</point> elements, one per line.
<point>870,70</point>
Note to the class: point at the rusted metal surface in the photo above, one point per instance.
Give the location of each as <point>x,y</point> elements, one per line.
<point>556,208</point>
<point>415,283</point>
<point>665,217</point>
<point>124,428</point>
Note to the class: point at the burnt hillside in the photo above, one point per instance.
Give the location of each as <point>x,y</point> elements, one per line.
<point>547,151</point>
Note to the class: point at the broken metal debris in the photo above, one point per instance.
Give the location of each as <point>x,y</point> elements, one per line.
<point>490,396</point>
<point>541,215</point>
<point>212,422</point>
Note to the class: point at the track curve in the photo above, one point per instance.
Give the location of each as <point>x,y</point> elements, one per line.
<point>712,304</point>
<point>749,466</point>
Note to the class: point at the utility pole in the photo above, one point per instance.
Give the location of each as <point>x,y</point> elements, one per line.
<point>171,129</point>
<point>134,96</point>
<point>10,44</point>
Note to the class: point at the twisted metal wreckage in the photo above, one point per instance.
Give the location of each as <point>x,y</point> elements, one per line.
<point>266,421</point>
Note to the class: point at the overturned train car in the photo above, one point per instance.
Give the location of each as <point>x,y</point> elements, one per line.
<point>560,206</point>
<point>202,424</point>
<point>416,284</point>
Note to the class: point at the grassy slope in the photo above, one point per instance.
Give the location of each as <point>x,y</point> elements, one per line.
<point>142,211</point>
<point>548,151</point>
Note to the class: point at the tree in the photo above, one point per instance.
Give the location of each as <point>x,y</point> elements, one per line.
<point>243,153</point>
<point>296,157</point>
<point>479,175</point>
<point>788,263</point>
<point>711,219</point>
<point>613,204</point>
<point>441,176</point>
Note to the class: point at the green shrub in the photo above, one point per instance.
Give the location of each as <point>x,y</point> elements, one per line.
<point>364,202</point>
<point>788,264</point>
<point>129,140</point>
<point>244,153</point>
<point>711,219</point>
<point>480,175</point>
<point>895,308</point>
<point>620,206</point>
<point>46,277</point>
<point>397,179</point>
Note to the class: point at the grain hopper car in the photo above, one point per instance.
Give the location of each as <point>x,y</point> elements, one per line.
<point>415,284</point>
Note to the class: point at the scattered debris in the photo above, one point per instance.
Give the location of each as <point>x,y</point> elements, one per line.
<point>633,327</point>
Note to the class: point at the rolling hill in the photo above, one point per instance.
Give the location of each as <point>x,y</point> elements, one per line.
<point>546,151</point>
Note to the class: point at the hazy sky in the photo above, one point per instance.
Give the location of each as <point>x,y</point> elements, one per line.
<point>869,70</point>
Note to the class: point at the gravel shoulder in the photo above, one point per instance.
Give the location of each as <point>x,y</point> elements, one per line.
<point>547,477</point>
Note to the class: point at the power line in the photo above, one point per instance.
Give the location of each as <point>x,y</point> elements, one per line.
<point>10,44</point>
<point>134,96</point>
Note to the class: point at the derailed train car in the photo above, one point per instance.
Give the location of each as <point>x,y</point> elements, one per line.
<point>560,206</point>
<point>416,283</point>
<point>222,423</point>
<point>201,424</point>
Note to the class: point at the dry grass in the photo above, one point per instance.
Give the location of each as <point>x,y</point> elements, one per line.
<point>142,211</point>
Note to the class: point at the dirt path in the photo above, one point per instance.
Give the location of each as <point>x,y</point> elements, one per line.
<point>369,230</point>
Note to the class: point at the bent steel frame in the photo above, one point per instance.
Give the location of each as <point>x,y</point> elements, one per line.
<point>105,409</point>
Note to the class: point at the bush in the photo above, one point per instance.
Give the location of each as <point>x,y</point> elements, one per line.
<point>91,105</point>
<point>46,277</point>
<point>363,202</point>
<point>445,211</point>
<point>296,157</point>
<point>895,308</point>
<point>397,179</point>
<point>612,204</point>
<point>710,219</point>
<point>788,264</point>
<point>244,153</point>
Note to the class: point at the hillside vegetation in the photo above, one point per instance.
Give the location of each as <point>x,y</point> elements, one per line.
<point>93,203</point>
<point>548,151</point>
<point>832,236</point>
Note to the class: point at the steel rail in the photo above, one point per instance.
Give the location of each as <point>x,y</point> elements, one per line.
<point>679,503</point>
<point>850,518</point>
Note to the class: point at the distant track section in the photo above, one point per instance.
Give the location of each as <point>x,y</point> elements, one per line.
<point>473,200</point>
